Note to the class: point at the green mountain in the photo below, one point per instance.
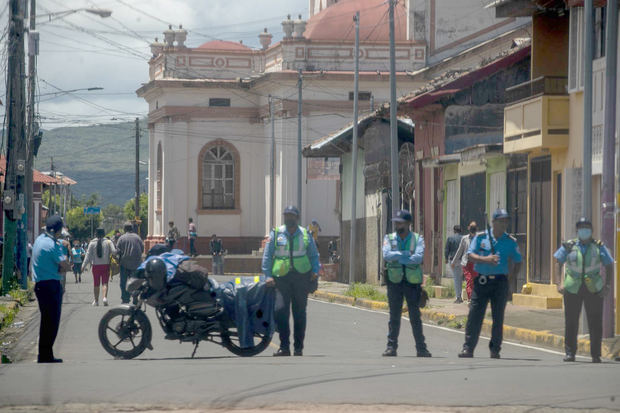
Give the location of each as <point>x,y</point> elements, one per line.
<point>101,158</point>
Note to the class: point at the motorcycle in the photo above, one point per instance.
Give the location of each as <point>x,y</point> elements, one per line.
<point>189,311</point>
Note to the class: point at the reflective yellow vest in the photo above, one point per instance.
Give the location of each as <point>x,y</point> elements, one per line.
<point>396,271</point>
<point>282,255</point>
<point>581,269</point>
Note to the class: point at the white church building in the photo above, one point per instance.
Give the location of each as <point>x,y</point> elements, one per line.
<point>209,119</point>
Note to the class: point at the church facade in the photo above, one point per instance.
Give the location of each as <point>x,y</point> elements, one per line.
<point>209,111</point>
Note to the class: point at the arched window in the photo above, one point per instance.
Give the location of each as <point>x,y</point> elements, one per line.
<point>159,178</point>
<point>219,166</point>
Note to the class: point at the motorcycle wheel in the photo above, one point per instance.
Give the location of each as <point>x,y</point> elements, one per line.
<point>120,337</point>
<point>230,340</point>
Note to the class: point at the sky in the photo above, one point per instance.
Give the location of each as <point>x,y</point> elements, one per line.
<point>82,50</point>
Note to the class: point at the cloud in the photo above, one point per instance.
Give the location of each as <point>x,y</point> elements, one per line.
<point>83,50</point>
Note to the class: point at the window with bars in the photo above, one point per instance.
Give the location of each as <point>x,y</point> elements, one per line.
<point>218,179</point>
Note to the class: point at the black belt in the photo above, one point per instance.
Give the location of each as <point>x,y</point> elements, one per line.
<point>484,278</point>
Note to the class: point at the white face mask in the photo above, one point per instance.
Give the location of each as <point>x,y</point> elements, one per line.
<point>584,234</point>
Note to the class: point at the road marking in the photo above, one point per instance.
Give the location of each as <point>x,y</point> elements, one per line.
<point>545,350</point>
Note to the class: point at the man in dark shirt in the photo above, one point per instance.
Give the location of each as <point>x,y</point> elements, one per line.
<point>452,246</point>
<point>130,249</point>
<point>217,250</point>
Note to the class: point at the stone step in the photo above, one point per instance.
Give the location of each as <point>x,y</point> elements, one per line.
<point>545,290</point>
<point>537,301</point>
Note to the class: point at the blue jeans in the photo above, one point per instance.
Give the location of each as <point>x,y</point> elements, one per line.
<point>125,275</point>
<point>457,273</point>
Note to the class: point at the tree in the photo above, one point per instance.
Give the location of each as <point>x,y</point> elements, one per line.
<point>144,213</point>
<point>113,217</point>
<point>79,224</point>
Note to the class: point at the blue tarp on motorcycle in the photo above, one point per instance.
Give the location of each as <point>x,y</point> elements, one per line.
<point>251,306</point>
<point>172,260</point>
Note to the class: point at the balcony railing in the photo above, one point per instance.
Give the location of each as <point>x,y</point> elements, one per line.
<point>544,85</point>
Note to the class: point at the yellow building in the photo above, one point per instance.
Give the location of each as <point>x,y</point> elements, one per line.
<point>544,119</point>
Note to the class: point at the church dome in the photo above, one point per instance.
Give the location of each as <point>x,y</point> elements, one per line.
<point>335,23</point>
<point>224,45</point>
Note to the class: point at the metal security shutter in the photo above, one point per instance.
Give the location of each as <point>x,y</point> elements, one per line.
<point>575,50</point>
<point>452,199</point>
<point>497,197</point>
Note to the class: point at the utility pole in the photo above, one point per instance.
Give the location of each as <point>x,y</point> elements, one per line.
<point>609,155</point>
<point>353,240</point>
<point>137,181</point>
<point>393,120</point>
<point>299,113</point>
<point>28,217</point>
<point>13,195</point>
<point>587,110</point>
<point>272,167</point>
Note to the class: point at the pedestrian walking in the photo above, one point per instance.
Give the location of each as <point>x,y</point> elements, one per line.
<point>217,251</point>
<point>452,245</point>
<point>98,256</point>
<point>403,252</point>
<point>461,259</point>
<point>173,235</point>
<point>582,284</point>
<point>66,249</point>
<point>77,257</point>
<point>291,264</point>
<point>130,249</point>
<point>117,235</point>
<point>314,229</point>
<point>192,235</point>
<point>491,251</point>
<point>48,260</point>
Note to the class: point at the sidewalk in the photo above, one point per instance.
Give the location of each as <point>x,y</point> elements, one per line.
<point>521,324</point>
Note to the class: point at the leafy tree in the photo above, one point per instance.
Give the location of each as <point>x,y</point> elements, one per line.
<point>144,212</point>
<point>113,218</point>
<point>79,224</point>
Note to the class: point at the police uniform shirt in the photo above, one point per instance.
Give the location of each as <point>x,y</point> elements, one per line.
<point>562,254</point>
<point>506,247</point>
<point>401,254</point>
<point>270,248</point>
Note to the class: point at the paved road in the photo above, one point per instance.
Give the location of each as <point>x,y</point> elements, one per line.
<point>342,365</point>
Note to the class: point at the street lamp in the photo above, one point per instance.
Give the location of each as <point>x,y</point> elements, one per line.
<point>64,92</point>
<point>103,13</point>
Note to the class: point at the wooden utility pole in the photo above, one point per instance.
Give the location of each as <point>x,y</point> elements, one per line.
<point>13,196</point>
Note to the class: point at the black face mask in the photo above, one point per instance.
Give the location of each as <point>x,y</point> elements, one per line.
<point>290,223</point>
<point>401,231</point>
<point>473,230</point>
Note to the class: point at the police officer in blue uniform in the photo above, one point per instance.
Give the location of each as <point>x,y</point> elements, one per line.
<point>403,252</point>
<point>291,264</point>
<point>491,251</point>
<point>583,283</point>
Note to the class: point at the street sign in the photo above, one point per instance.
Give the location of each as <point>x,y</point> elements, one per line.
<point>92,210</point>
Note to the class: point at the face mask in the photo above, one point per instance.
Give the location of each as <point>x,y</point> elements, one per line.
<point>473,230</point>
<point>584,233</point>
<point>401,231</point>
<point>290,223</point>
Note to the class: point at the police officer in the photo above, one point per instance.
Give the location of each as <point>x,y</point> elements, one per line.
<point>490,252</point>
<point>582,283</point>
<point>49,260</point>
<point>291,264</point>
<point>403,252</point>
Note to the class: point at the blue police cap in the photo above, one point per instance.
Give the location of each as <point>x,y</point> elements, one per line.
<point>402,216</point>
<point>500,213</point>
<point>292,210</point>
<point>54,224</point>
<point>584,222</point>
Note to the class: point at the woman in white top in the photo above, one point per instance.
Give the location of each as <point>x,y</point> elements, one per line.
<point>98,255</point>
<point>461,258</point>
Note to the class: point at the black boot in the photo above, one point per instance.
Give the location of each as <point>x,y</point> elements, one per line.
<point>389,352</point>
<point>569,357</point>
<point>282,352</point>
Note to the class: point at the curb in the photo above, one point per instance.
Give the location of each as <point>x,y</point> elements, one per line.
<point>610,348</point>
